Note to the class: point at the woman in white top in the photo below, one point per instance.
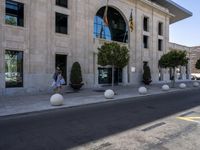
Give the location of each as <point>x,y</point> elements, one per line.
<point>58,81</point>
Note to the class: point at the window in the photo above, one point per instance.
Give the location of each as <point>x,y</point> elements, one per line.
<point>63,3</point>
<point>116,30</point>
<point>146,41</point>
<point>160,44</point>
<point>61,23</point>
<point>146,24</point>
<point>14,13</point>
<point>160,28</point>
<point>13,69</point>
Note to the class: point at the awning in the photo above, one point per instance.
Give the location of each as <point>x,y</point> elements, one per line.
<point>178,11</point>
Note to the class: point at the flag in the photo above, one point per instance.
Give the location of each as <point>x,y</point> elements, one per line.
<point>105,16</point>
<point>131,24</point>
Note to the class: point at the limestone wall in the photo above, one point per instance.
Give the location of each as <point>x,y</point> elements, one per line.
<point>39,42</point>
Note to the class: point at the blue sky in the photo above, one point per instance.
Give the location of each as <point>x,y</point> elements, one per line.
<point>187,32</point>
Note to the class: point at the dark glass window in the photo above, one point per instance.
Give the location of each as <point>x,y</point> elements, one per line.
<point>63,3</point>
<point>14,13</point>
<point>160,44</point>
<point>146,24</point>
<point>105,75</point>
<point>61,23</point>
<point>146,41</point>
<point>160,28</point>
<point>117,29</point>
<point>13,68</point>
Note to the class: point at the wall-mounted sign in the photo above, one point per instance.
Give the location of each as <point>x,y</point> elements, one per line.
<point>133,69</point>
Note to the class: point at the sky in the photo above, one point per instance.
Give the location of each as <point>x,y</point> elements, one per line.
<point>187,32</point>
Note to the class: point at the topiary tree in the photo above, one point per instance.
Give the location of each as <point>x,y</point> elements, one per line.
<point>76,76</point>
<point>147,74</point>
<point>197,65</point>
<point>113,54</point>
<point>172,60</point>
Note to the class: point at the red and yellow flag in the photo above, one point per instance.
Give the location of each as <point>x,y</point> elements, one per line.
<point>131,24</point>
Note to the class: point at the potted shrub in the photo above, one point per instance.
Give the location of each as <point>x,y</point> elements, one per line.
<point>147,74</point>
<point>76,76</point>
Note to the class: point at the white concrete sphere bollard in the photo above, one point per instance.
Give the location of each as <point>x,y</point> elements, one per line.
<point>165,87</point>
<point>196,84</point>
<point>142,90</point>
<point>109,94</point>
<point>56,100</point>
<point>182,86</point>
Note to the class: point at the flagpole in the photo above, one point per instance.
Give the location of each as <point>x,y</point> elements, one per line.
<point>105,16</point>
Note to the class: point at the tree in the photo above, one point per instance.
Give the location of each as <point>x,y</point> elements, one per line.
<point>172,60</point>
<point>197,65</point>
<point>113,54</point>
<point>76,76</point>
<point>147,74</point>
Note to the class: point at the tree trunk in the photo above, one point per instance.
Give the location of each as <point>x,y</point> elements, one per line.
<point>113,71</point>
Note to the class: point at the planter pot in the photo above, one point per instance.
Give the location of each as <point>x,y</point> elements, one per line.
<point>76,86</point>
<point>147,82</point>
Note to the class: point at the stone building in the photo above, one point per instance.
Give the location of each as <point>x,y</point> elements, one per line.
<point>182,72</point>
<point>195,55</point>
<point>38,35</point>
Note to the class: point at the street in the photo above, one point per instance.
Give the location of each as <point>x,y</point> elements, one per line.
<point>159,122</point>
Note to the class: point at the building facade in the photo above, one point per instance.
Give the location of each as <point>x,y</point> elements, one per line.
<point>195,55</point>
<point>36,36</point>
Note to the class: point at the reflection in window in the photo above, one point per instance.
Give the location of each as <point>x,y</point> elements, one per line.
<point>14,13</point>
<point>117,29</point>
<point>13,69</point>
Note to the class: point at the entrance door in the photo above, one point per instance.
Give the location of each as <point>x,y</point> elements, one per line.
<point>61,62</point>
<point>105,75</point>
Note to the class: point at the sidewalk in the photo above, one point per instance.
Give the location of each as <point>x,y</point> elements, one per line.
<point>27,104</point>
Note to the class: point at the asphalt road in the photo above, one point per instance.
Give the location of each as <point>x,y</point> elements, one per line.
<point>68,128</point>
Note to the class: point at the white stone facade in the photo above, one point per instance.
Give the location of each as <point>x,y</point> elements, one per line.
<point>40,43</point>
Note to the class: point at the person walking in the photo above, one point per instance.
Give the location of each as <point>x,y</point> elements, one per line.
<point>58,81</point>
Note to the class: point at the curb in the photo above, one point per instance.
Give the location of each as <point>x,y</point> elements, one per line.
<point>115,100</point>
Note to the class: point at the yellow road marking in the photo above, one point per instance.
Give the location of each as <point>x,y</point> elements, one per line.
<point>191,119</point>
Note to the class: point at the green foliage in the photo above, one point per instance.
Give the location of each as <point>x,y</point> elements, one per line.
<point>113,54</point>
<point>146,74</point>
<point>197,65</point>
<point>76,75</point>
<point>173,59</point>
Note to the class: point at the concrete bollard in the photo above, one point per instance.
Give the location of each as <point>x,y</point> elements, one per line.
<point>196,84</point>
<point>165,87</point>
<point>182,86</point>
<point>142,90</point>
<point>109,94</point>
<point>57,100</point>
